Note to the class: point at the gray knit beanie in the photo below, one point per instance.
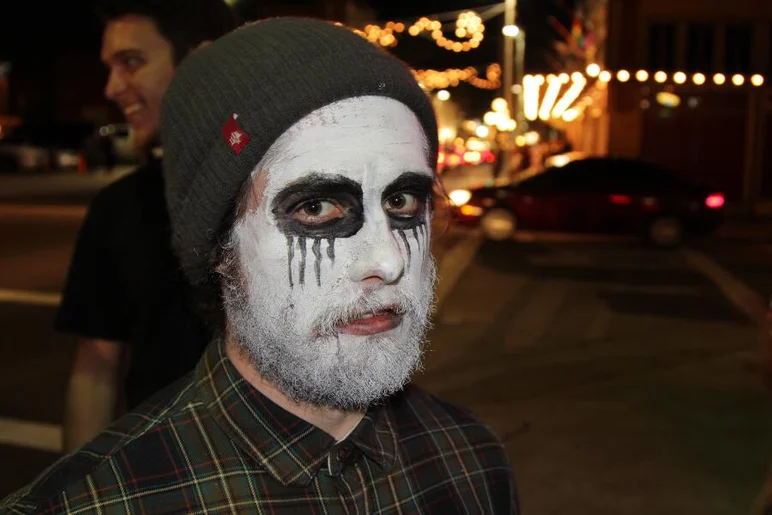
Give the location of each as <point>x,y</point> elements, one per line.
<point>229,101</point>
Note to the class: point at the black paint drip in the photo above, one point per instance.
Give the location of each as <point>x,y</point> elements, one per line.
<point>331,249</point>
<point>302,270</point>
<point>407,247</point>
<point>290,257</point>
<point>415,235</point>
<point>316,249</point>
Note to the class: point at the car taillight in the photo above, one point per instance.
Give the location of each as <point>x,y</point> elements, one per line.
<point>715,201</point>
<point>622,200</point>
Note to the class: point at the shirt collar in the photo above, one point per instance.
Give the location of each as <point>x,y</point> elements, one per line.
<point>286,446</point>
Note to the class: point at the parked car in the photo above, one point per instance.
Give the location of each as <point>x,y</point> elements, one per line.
<point>43,147</point>
<point>595,195</point>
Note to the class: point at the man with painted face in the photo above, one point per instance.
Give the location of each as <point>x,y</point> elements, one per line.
<point>125,298</point>
<point>299,162</point>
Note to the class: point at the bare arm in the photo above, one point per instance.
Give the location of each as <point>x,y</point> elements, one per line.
<point>93,390</point>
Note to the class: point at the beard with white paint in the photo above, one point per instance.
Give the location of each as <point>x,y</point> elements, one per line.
<point>334,282</point>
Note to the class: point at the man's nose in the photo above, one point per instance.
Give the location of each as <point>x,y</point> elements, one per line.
<point>115,85</point>
<point>379,258</point>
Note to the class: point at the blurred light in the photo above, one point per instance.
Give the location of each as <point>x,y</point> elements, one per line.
<point>623,75</point>
<point>715,201</point>
<point>604,76</point>
<point>560,160</point>
<point>507,125</point>
<point>510,31</point>
<point>699,79</point>
<point>660,77</point>
<point>577,76</point>
<point>517,89</point>
<point>413,30</point>
<point>453,160</point>
<point>757,80</point>
<point>693,102</point>
<point>520,141</point>
<point>679,77</point>
<point>491,118</point>
<point>593,70</point>
<point>539,80</point>
<point>482,131</point>
<point>564,78</point>
<point>553,90</point>
<point>476,144</point>
<point>443,95</point>
<point>645,104</point>
<point>532,138</point>
<point>642,75</point>
<point>531,97</point>
<point>719,78</point>
<point>622,200</point>
<point>499,105</point>
<point>472,157</point>
<point>570,97</point>
<point>668,99</point>
<point>468,210</point>
<point>570,115</point>
<point>738,80</point>
<point>460,32</point>
<point>446,134</point>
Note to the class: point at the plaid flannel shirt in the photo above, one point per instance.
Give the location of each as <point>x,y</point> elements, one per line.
<point>211,443</point>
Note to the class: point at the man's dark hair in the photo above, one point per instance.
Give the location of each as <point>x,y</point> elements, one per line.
<point>183,23</point>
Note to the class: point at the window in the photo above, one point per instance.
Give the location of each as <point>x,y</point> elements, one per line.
<point>662,48</point>
<point>737,51</point>
<point>700,48</point>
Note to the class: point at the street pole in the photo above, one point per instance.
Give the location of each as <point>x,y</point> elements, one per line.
<point>519,74</point>
<point>510,7</point>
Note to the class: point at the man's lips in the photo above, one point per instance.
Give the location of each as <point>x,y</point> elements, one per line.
<point>374,323</point>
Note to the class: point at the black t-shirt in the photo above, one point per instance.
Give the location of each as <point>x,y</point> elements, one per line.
<point>125,284</point>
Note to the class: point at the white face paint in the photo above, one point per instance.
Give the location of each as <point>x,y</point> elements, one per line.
<point>336,276</point>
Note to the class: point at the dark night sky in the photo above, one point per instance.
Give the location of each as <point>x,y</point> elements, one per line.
<point>33,36</point>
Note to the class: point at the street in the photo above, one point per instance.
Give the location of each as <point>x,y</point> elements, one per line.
<point>621,378</point>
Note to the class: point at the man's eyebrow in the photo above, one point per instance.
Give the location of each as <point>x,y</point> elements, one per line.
<point>416,181</point>
<point>316,184</point>
<point>122,54</point>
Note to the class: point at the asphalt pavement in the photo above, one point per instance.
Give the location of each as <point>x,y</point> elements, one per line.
<point>622,379</point>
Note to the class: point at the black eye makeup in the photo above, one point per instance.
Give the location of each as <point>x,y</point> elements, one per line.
<point>317,207</point>
<point>405,200</point>
<point>326,207</point>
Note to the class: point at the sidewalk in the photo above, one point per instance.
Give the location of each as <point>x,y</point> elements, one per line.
<point>56,188</point>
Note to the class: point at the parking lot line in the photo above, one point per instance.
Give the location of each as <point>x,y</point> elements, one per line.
<point>740,294</point>
<point>34,298</point>
<point>32,435</point>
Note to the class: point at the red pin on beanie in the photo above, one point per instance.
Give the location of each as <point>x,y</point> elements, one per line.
<point>234,135</point>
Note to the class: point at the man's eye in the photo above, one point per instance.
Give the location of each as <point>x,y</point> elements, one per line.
<point>318,212</point>
<point>133,63</point>
<point>403,205</point>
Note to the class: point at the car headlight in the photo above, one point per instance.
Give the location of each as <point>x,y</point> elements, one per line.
<point>460,197</point>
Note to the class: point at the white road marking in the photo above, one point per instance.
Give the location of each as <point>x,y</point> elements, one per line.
<point>34,298</point>
<point>33,435</point>
<point>741,295</point>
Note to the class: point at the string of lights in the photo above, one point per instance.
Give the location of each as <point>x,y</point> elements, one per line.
<point>442,79</point>
<point>468,32</point>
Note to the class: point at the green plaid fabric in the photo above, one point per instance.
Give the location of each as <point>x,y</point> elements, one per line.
<point>212,444</point>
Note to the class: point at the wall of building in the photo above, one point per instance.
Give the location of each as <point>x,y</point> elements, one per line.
<point>720,134</point>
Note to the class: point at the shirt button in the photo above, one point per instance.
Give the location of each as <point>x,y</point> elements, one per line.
<point>344,451</point>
